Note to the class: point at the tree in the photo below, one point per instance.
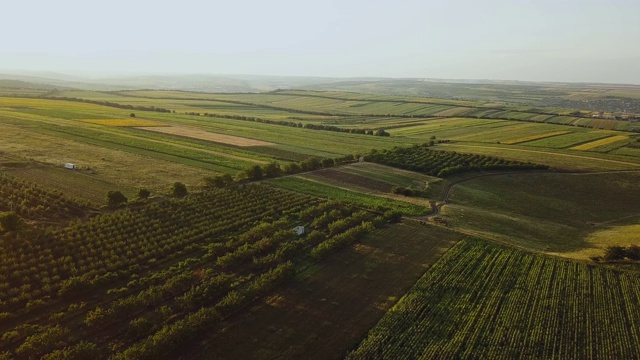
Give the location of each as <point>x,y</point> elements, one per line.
<point>218,181</point>
<point>613,253</point>
<point>327,162</point>
<point>115,198</point>
<point>311,163</point>
<point>393,216</point>
<point>272,169</point>
<point>633,252</point>
<point>291,168</point>
<point>132,115</point>
<point>254,173</point>
<point>144,193</point>
<point>9,221</point>
<point>179,189</point>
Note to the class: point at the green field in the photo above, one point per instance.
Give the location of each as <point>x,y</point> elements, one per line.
<point>335,193</point>
<point>560,215</point>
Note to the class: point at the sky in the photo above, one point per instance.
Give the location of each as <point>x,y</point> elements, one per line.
<point>535,40</point>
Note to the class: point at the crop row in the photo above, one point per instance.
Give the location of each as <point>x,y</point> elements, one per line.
<point>443,163</point>
<point>486,301</point>
<point>162,273</point>
<point>32,202</point>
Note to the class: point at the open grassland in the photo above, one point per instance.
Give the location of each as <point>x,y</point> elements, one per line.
<point>328,309</point>
<point>595,145</point>
<point>482,300</point>
<point>106,164</point>
<point>305,186</point>
<point>552,212</point>
<point>55,132</point>
<point>77,184</point>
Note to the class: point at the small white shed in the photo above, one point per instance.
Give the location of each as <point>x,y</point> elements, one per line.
<point>70,166</point>
<point>299,230</point>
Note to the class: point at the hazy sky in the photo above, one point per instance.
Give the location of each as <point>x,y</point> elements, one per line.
<point>561,40</point>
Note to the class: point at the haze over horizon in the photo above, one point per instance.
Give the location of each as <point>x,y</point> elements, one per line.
<point>563,41</point>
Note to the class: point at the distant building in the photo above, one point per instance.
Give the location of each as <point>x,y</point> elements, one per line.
<point>299,230</point>
<point>70,166</point>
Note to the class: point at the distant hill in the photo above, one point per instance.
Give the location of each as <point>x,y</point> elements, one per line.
<point>613,98</point>
<point>190,82</point>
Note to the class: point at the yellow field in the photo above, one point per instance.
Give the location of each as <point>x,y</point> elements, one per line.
<point>123,122</point>
<point>45,104</point>
<point>534,137</point>
<point>601,142</point>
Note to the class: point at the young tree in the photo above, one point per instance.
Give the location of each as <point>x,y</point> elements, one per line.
<point>144,193</point>
<point>179,189</point>
<point>9,221</point>
<point>115,198</point>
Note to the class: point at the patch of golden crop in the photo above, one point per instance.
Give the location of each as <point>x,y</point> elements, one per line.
<point>601,142</point>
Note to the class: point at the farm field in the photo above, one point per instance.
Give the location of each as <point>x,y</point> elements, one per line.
<point>195,261</point>
<point>559,159</point>
<point>390,175</point>
<point>332,192</point>
<point>287,224</point>
<point>569,140</point>
<point>602,144</point>
<point>73,184</point>
<point>482,300</point>
<point>339,300</point>
<point>563,214</point>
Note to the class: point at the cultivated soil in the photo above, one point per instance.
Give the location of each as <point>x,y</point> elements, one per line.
<point>206,135</point>
<point>329,309</point>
